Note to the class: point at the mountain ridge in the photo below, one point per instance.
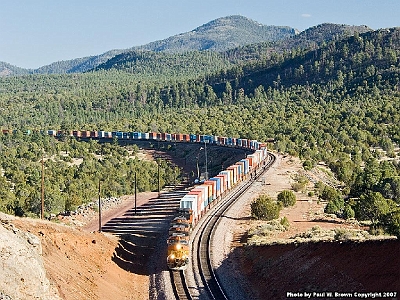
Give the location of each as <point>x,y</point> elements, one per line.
<point>221,34</point>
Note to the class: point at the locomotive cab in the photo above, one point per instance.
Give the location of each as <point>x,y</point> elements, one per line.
<point>178,252</point>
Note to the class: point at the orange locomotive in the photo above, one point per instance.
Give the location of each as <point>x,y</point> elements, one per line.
<point>179,240</point>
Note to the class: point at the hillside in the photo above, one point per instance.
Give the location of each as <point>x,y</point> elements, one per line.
<point>341,64</point>
<point>239,36</point>
<point>183,54</point>
<point>217,35</point>
<point>222,34</point>
<point>319,267</point>
<point>309,39</point>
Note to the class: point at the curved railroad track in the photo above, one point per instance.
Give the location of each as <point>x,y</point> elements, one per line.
<point>208,286</point>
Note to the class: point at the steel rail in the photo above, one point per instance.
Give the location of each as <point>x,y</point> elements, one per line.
<point>206,231</point>
<point>179,285</point>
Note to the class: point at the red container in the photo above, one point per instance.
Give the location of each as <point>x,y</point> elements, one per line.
<point>250,159</point>
<point>212,189</point>
<point>200,200</point>
<point>186,137</point>
<point>85,133</point>
<point>222,140</point>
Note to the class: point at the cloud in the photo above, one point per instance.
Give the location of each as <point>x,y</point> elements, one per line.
<point>306,15</point>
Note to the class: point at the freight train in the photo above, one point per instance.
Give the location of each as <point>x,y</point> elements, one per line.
<point>155,136</point>
<point>196,202</point>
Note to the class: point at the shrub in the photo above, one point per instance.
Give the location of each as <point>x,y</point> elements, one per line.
<point>264,208</point>
<point>285,223</point>
<point>307,165</point>
<point>287,198</point>
<point>348,212</point>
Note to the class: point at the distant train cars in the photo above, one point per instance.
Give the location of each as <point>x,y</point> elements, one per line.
<point>166,137</point>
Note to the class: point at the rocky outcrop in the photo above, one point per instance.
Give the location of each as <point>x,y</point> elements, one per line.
<point>22,275</point>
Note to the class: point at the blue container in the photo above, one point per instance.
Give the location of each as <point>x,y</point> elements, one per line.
<point>193,138</point>
<point>137,135</point>
<point>246,165</point>
<point>240,169</point>
<point>218,180</point>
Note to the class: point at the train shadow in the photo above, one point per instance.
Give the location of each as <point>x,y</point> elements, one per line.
<point>142,234</point>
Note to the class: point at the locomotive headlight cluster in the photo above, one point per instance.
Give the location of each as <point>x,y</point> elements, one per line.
<point>178,246</point>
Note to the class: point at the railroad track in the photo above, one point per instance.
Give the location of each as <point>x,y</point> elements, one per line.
<point>202,250</point>
<point>179,285</point>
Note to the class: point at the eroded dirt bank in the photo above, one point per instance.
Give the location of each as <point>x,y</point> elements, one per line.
<point>345,267</point>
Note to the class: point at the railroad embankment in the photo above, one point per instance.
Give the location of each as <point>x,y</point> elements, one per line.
<point>343,267</point>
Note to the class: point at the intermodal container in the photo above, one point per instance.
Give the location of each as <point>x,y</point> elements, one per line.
<point>205,193</point>
<point>229,173</point>
<point>221,140</point>
<point>51,132</point>
<point>218,186</point>
<point>246,164</point>
<point>189,201</point>
<point>224,182</point>
<point>235,173</point>
<point>186,137</point>
<point>240,165</point>
<point>193,138</point>
<point>250,159</point>
<point>200,199</point>
<point>213,188</point>
<point>153,135</point>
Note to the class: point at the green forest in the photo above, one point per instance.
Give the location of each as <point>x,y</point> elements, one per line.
<point>336,101</point>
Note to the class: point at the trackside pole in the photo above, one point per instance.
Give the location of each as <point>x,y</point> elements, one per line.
<point>99,207</point>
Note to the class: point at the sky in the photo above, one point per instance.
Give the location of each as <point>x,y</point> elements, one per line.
<point>34,33</point>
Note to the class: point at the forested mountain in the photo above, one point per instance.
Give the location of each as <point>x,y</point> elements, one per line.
<point>341,65</point>
<point>309,39</point>
<point>146,62</point>
<point>222,34</point>
<point>217,35</point>
<point>240,37</point>
<point>7,69</point>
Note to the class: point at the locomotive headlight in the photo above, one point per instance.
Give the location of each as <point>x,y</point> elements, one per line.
<point>178,246</point>
<point>172,256</point>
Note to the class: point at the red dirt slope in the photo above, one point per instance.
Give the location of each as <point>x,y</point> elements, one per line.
<point>346,267</point>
